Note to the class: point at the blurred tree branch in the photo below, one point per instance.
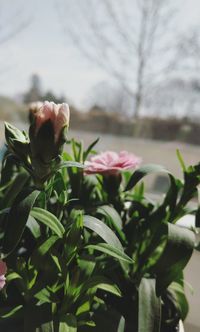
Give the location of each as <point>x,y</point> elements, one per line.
<point>13,24</point>
<point>132,41</point>
<point>13,20</point>
<point>188,51</point>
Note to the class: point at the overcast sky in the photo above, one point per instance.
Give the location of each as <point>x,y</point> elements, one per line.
<point>42,48</point>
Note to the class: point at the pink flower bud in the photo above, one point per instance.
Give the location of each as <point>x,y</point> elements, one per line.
<point>3,270</point>
<point>35,106</point>
<point>47,135</point>
<point>58,114</point>
<point>110,162</point>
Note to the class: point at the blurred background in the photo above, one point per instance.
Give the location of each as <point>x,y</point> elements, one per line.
<point>130,71</point>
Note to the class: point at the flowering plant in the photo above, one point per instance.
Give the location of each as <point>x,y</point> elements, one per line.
<point>82,247</point>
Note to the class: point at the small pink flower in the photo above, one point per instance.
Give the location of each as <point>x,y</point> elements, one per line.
<point>110,162</point>
<point>58,114</point>
<point>3,270</point>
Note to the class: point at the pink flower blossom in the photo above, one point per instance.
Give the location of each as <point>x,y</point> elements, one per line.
<point>58,114</point>
<point>3,270</point>
<point>110,162</point>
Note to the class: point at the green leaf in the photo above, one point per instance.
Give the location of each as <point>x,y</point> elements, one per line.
<point>41,257</point>
<point>172,194</point>
<point>46,327</point>
<point>100,282</point>
<point>34,227</point>
<point>45,296</point>
<point>11,132</point>
<point>102,230</point>
<point>143,171</point>
<point>6,314</point>
<point>86,323</point>
<point>14,189</point>
<point>176,290</point>
<point>16,220</point>
<point>111,288</point>
<point>48,219</point>
<point>181,161</point>
<point>87,264</point>
<point>177,252</point>
<point>83,308</point>
<point>90,147</point>
<point>121,326</point>
<point>113,218</point>
<point>67,164</point>
<point>68,323</point>
<point>149,307</point>
<point>112,251</point>
<point>12,276</point>
<point>109,211</point>
<point>46,246</point>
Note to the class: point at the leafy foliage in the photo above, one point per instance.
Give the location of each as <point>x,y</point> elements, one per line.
<point>83,259</point>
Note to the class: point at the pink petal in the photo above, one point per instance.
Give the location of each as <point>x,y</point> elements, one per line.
<point>2,282</point>
<point>3,268</point>
<point>110,162</point>
<point>62,119</point>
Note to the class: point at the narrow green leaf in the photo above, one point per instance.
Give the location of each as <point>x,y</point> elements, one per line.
<point>87,264</point>
<point>48,219</point>
<point>111,251</point>
<point>101,282</point>
<point>177,292</point>
<point>46,246</point>
<point>143,171</point>
<point>33,226</point>
<point>57,263</point>
<point>46,327</point>
<point>113,218</point>
<point>16,220</point>
<point>90,147</point>
<point>12,276</point>
<point>11,312</point>
<point>68,323</point>
<point>86,323</point>
<point>102,230</point>
<point>121,326</point>
<point>110,288</point>
<point>14,189</point>
<point>149,315</point>
<point>44,295</point>
<point>110,212</point>
<point>177,252</point>
<point>67,164</point>
<point>181,161</point>
<point>83,308</point>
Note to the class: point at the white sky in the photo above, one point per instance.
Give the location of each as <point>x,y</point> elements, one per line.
<point>41,48</point>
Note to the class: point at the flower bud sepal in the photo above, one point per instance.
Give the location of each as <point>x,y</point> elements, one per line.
<point>44,150</point>
<point>18,144</point>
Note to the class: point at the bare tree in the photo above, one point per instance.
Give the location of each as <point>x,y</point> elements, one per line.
<point>188,52</point>
<point>131,40</point>
<point>14,18</point>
